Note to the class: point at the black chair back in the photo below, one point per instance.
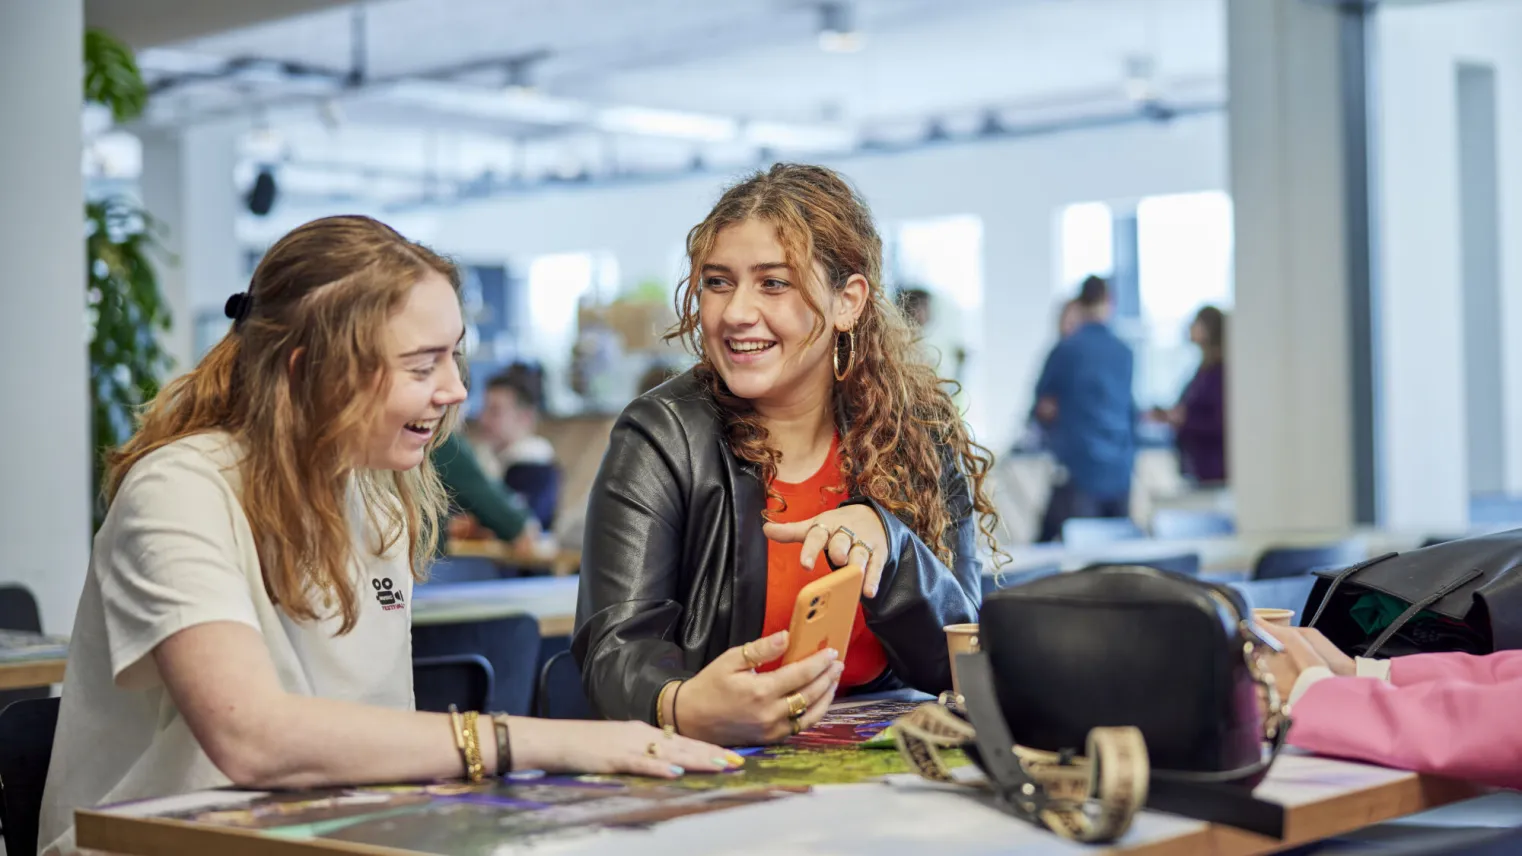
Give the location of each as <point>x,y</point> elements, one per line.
<point>539,485</point>
<point>18,611</point>
<point>462,680</point>
<point>1282,562</point>
<point>510,644</point>
<point>560,693</point>
<point>26,747</point>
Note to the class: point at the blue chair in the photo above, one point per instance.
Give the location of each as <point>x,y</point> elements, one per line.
<point>1295,561</point>
<point>1187,564</point>
<point>1183,563</point>
<point>1094,531</point>
<point>1495,509</point>
<point>560,693</point>
<point>1180,524</point>
<point>463,569</point>
<point>26,750</point>
<point>510,645</point>
<point>1279,593</point>
<point>462,680</point>
<point>1005,579</point>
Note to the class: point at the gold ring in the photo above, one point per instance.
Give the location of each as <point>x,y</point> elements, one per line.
<point>796,726</point>
<point>669,730</point>
<point>797,705</point>
<point>652,750</point>
<point>745,652</point>
<point>847,530</point>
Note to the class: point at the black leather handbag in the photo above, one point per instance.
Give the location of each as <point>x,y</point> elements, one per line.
<point>1081,673</point>
<point>1463,595</point>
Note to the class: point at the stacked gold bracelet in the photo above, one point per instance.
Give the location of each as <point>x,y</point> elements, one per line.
<point>660,705</point>
<point>468,742</point>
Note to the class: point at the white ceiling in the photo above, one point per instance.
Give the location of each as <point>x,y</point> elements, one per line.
<point>730,66</point>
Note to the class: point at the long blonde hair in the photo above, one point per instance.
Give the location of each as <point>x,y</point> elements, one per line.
<point>297,381</point>
<point>894,413</point>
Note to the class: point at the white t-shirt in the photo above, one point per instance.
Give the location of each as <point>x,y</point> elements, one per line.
<point>176,551</point>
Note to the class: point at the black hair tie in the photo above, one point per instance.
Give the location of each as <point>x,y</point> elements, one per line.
<point>238,306</point>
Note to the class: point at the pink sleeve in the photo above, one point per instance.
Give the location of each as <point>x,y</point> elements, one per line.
<point>1465,668</point>
<point>1445,727</point>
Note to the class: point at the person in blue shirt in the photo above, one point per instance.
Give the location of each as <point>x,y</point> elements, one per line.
<point>1083,400</point>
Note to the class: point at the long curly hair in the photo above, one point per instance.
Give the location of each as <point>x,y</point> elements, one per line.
<point>324,292</point>
<point>895,416</point>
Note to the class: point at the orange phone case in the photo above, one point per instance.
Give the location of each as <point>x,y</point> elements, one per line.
<point>823,614</point>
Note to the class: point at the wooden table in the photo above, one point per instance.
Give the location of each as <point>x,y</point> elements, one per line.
<point>1323,798</point>
<point>552,600</point>
<point>559,563</point>
<point>27,674</point>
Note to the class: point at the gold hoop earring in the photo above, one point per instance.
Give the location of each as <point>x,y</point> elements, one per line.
<point>850,355</point>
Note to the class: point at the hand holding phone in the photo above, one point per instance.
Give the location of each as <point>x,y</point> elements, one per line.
<point>824,613</point>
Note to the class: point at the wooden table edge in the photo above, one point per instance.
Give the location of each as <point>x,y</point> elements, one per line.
<point>1347,812</point>
<point>154,836</point>
<point>26,674</point>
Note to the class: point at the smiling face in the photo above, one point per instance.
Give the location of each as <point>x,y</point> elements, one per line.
<point>758,329</point>
<point>423,375</point>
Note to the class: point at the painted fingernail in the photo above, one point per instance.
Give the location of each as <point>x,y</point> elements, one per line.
<point>676,770</point>
<point>734,759</point>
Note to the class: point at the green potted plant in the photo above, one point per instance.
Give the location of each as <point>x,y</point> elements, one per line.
<point>127,311</point>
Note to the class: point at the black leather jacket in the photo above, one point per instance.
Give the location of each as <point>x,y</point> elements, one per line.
<point>673,568</point>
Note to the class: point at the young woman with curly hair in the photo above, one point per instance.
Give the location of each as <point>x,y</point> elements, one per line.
<point>808,427</point>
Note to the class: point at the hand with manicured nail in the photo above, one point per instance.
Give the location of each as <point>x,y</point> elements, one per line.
<point>823,534</point>
<point>728,703</point>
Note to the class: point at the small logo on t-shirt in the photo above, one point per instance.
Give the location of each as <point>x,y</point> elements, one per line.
<point>388,599</point>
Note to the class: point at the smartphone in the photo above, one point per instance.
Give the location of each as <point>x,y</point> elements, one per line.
<point>824,613</point>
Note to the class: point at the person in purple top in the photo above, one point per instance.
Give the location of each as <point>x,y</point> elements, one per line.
<point>1199,418</point>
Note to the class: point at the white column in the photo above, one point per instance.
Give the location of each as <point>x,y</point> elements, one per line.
<point>187,184</point>
<point>1289,402</point>
<point>1432,353</point>
<point>44,439</point>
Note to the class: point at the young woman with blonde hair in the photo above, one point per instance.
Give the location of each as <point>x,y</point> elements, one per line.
<point>808,427</point>
<point>246,616</point>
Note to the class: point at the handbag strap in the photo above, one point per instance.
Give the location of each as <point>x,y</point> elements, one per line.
<point>1337,581</point>
<point>1411,611</point>
<point>1087,798</point>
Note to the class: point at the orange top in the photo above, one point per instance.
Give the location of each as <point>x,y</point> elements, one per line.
<point>786,576</point>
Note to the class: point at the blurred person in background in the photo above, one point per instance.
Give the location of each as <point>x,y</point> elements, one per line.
<point>510,445</point>
<point>1083,401</point>
<point>1199,418</point>
<point>1034,437</point>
